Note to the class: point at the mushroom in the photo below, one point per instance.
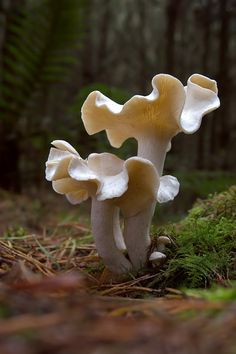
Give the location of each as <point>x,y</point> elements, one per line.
<point>112,184</point>
<point>157,258</point>
<point>155,119</point>
<point>162,242</point>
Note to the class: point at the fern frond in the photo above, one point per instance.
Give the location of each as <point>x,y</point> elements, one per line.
<point>205,243</point>
<point>41,41</point>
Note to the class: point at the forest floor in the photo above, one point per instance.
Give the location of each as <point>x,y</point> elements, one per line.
<point>56,296</point>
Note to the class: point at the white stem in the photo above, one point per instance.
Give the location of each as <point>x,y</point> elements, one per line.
<point>118,235</point>
<point>136,235</point>
<point>153,148</point>
<point>102,216</point>
<point>137,228</point>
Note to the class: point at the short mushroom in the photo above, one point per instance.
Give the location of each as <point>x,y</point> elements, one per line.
<point>162,242</point>
<point>111,183</point>
<point>157,258</point>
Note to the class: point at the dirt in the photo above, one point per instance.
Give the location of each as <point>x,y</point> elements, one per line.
<point>56,297</point>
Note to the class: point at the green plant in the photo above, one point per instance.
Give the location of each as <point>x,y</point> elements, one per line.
<point>39,49</point>
<point>205,244</point>
<point>15,232</point>
<point>216,293</point>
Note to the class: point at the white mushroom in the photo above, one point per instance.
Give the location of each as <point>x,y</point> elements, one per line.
<point>168,189</point>
<point>157,258</point>
<point>112,183</point>
<point>162,242</point>
<point>137,206</point>
<point>153,120</point>
<point>130,185</point>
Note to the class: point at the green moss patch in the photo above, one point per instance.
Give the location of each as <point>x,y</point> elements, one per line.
<point>204,244</point>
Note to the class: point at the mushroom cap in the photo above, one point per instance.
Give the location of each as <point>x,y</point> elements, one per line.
<point>129,184</point>
<point>156,111</point>
<point>163,240</point>
<point>108,171</point>
<point>201,98</point>
<point>59,159</point>
<point>57,170</point>
<point>142,187</point>
<point>157,257</point>
<point>167,110</point>
<point>168,189</point>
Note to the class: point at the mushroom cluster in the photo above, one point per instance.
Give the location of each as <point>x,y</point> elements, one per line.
<point>131,187</point>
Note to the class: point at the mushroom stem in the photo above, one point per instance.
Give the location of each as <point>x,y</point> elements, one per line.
<point>136,235</point>
<point>118,235</point>
<point>153,148</point>
<point>102,217</point>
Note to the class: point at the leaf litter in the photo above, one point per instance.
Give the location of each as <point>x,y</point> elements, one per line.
<point>56,297</point>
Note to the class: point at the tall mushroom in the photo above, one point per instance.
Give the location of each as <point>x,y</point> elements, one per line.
<point>111,183</point>
<point>155,119</point>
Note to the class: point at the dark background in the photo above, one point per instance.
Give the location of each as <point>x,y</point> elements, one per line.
<point>54,52</point>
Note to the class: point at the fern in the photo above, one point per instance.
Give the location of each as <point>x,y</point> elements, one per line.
<point>205,241</point>
<point>41,39</point>
<point>40,48</point>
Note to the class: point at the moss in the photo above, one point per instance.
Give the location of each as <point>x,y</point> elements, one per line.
<point>194,184</point>
<point>204,248</point>
<point>14,232</point>
<point>215,293</point>
<point>4,311</point>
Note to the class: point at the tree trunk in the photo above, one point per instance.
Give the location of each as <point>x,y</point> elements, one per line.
<point>142,47</point>
<point>9,141</point>
<point>102,54</point>
<point>172,10</point>
<point>220,139</point>
<point>9,157</point>
<point>205,18</point>
<point>87,71</point>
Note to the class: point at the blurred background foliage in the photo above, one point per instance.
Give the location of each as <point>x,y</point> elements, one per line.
<point>54,52</point>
